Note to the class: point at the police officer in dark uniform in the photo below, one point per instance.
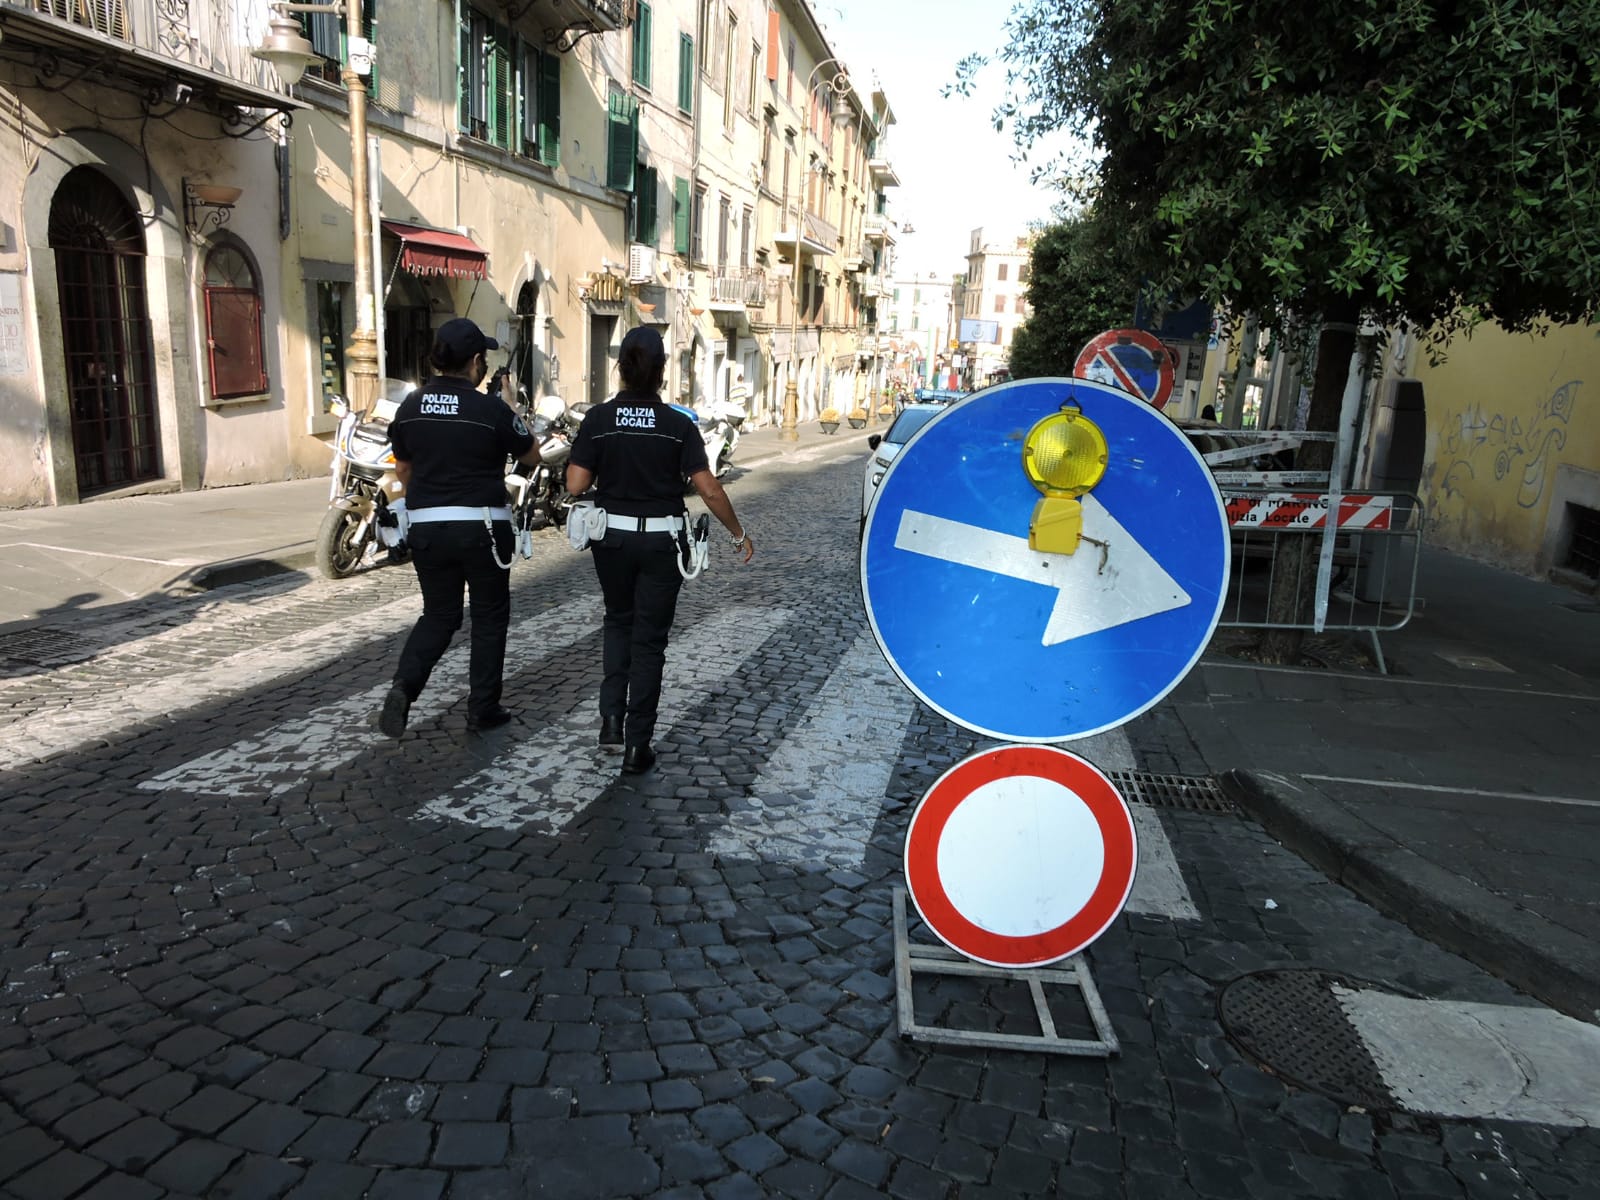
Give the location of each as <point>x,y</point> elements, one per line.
<point>450,445</point>
<point>640,449</point>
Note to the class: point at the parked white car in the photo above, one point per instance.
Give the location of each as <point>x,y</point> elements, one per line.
<point>885,446</point>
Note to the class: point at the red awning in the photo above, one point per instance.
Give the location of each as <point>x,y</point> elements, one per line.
<point>426,251</point>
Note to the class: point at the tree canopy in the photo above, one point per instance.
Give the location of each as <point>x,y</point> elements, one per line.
<point>1418,162</point>
<point>1074,293</point>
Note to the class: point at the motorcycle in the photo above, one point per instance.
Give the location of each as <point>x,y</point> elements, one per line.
<point>538,493</point>
<point>719,422</point>
<point>361,491</point>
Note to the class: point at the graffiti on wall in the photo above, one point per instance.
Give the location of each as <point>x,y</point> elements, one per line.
<point>1479,445</point>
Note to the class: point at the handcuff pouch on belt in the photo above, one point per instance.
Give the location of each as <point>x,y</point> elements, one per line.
<point>586,524</point>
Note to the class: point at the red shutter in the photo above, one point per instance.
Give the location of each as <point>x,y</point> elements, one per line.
<point>233,318</point>
<point>773,40</point>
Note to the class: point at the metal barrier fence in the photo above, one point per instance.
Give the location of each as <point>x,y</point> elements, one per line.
<point>1358,574</point>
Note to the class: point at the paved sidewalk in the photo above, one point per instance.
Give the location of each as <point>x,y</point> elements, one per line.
<point>90,556</point>
<point>1460,794</point>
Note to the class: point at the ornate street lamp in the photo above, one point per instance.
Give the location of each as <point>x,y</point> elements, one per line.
<point>289,53</point>
<point>839,85</point>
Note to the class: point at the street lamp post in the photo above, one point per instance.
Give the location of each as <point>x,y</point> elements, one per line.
<point>838,85</point>
<point>286,48</point>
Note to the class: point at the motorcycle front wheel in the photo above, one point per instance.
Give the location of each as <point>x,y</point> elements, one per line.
<point>339,550</point>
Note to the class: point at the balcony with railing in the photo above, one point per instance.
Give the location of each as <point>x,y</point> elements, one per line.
<point>738,288</point>
<point>185,53</point>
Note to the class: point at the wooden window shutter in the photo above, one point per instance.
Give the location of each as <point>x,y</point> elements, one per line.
<point>680,216</point>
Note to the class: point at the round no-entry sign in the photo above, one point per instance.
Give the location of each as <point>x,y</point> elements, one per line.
<point>1021,855</point>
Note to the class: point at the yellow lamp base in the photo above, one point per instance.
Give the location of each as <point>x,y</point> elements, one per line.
<point>1056,525</point>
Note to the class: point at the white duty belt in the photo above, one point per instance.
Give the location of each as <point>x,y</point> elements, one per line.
<point>458,512</point>
<point>644,524</point>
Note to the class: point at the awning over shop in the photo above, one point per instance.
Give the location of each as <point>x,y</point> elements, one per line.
<point>425,251</point>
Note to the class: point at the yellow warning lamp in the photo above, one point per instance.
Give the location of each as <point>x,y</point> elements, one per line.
<point>1064,455</point>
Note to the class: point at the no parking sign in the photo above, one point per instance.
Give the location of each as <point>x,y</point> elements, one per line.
<point>1132,360</point>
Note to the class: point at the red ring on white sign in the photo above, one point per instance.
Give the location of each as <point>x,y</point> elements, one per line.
<point>1058,769</point>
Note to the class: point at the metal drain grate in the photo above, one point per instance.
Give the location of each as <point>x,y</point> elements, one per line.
<point>44,647</point>
<point>1197,793</point>
<point>1291,1023</point>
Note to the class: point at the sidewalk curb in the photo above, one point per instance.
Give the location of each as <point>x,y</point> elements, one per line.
<point>1541,958</point>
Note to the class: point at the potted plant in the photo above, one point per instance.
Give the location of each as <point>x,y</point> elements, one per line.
<point>858,417</point>
<point>829,418</point>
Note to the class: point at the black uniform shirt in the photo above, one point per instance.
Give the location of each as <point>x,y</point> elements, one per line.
<point>640,450</point>
<point>456,440</point>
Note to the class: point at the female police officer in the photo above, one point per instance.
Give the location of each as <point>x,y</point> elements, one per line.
<point>450,445</point>
<point>640,449</point>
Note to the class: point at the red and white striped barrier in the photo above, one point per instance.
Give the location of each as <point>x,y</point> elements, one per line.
<point>1306,510</point>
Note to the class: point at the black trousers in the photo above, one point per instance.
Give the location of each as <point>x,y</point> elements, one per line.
<point>451,556</point>
<point>639,579</point>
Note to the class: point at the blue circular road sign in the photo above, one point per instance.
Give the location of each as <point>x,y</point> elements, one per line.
<point>1025,645</point>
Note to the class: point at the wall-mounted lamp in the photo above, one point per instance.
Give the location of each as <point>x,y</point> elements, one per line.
<point>207,206</point>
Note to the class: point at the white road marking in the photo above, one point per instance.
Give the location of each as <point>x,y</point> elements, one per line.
<point>337,732</point>
<point>1488,1061</point>
<point>55,731</point>
<point>558,772</point>
<point>159,562</point>
<point>1090,597</point>
<point>1454,791</point>
<point>1158,886</point>
<point>821,792</point>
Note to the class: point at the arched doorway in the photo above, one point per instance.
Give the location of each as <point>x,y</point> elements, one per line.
<point>105,332</point>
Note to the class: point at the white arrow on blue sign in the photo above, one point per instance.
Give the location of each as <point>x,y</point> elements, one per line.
<point>1029,646</point>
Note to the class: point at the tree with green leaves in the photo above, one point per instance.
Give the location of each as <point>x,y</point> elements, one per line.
<point>1077,288</point>
<point>1418,164</point>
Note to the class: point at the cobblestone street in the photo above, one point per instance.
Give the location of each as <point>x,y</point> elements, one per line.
<point>251,949</point>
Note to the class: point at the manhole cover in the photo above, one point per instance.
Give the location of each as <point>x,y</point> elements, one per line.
<point>1198,793</point>
<point>44,647</point>
<point>1291,1022</point>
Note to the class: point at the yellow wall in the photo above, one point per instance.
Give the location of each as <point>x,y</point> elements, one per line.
<point>1504,412</point>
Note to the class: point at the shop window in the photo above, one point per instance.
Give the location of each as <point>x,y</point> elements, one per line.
<point>233,325</point>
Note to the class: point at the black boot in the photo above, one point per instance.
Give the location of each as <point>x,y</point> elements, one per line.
<point>636,760</point>
<point>611,733</point>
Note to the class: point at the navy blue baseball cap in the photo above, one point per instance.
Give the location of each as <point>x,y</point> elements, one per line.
<point>462,338</point>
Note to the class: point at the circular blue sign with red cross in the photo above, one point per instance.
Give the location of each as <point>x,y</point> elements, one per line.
<point>1130,359</point>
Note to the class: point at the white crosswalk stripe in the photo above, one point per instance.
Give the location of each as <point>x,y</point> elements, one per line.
<point>553,776</point>
<point>334,733</point>
<point>55,731</point>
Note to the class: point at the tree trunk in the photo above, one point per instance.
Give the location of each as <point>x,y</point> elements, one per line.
<point>1294,577</point>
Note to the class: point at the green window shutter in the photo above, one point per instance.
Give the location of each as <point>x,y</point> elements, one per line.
<point>502,87</point>
<point>549,109</point>
<point>686,72</point>
<point>649,202</point>
<point>680,216</point>
<point>641,45</point>
<point>622,136</point>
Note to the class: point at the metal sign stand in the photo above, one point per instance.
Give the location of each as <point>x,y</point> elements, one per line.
<point>911,959</point>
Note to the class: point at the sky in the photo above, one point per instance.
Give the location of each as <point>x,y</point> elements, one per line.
<point>956,172</point>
